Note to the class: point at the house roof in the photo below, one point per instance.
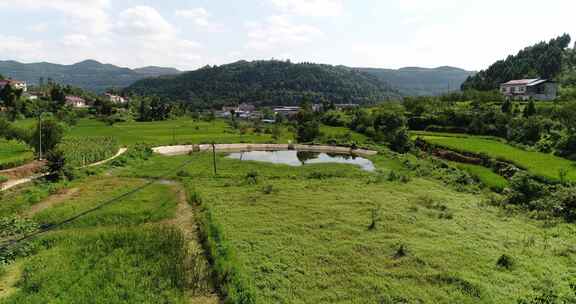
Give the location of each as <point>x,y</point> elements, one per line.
<point>526,82</point>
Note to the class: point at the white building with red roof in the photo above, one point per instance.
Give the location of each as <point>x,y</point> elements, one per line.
<point>76,102</point>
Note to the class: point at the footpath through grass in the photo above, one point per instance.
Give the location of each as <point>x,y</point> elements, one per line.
<point>541,164</point>
<point>307,235</point>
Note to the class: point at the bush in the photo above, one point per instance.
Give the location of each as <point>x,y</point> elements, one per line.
<point>251,178</point>
<point>401,251</point>
<point>269,189</point>
<point>505,261</point>
<point>3,179</point>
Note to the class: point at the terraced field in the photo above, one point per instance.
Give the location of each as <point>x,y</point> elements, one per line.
<point>541,164</point>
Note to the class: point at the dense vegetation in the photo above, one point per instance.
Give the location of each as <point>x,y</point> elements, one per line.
<point>544,60</point>
<point>267,83</point>
<point>88,75</point>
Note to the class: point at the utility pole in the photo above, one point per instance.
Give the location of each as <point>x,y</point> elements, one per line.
<point>40,135</point>
<point>214,158</point>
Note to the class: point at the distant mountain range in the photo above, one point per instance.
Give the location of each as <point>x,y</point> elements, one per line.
<point>89,74</point>
<point>97,77</point>
<point>414,81</point>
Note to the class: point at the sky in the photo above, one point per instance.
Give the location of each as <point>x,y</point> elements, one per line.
<point>189,34</point>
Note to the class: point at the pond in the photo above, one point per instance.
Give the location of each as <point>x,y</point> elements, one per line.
<point>300,158</point>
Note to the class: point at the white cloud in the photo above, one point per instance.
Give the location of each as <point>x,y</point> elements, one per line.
<point>279,31</point>
<point>144,21</point>
<point>76,41</point>
<point>87,15</point>
<point>20,49</point>
<point>198,15</point>
<point>311,8</point>
<point>38,28</point>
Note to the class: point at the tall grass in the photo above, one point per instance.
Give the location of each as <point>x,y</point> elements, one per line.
<point>230,279</point>
<point>146,265</point>
<point>14,153</point>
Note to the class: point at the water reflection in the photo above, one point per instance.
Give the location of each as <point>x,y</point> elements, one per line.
<point>300,158</point>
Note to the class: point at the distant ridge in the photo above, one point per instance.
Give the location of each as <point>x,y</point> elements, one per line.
<point>416,81</point>
<point>88,74</point>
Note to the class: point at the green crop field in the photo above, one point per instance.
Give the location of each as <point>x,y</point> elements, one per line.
<point>485,175</point>
<point>13,153</point>
<point>542,164</point>
<point>182,131</point>
<point>312,241</point>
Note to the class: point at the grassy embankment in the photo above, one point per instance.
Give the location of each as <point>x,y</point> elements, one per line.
<point>132,251</point>
<point>541,164</point>
<point>303,235</point>
<point>14,153</point>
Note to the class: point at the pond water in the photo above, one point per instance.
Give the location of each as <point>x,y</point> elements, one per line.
<point>300,158</point>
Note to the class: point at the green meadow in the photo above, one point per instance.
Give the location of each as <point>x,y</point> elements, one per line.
<point>333,234</point>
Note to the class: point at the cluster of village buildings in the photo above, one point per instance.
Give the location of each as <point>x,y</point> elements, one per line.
<point>71,100</point>
<point>249,111</point>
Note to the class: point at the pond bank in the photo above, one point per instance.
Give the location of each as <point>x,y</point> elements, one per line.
<point>185,149</point>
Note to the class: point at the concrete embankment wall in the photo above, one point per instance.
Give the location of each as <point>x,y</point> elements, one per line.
<point>182,150</point>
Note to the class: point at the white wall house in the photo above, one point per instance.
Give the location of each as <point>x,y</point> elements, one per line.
<point>524,89</point>
<point>15,84</point>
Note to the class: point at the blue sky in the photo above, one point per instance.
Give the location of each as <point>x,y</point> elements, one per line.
<point>188,34</point>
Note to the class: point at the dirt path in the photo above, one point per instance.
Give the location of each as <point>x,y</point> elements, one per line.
<point>201,288</point>
<point>120,152</point>
<point>24,170</point>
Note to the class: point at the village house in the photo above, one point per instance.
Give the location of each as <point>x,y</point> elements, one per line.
<point>525,89</point>
<point>76,102</point>
<point>15,84</point>
<point>116,99</point>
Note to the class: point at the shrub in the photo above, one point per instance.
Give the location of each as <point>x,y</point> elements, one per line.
<point>401,251</point>
<point>3,179</point>
<point>269,189</point>
<point>505,261</point>
<point>183,173</point>
<point>194,198</point>
<point>251,178</point>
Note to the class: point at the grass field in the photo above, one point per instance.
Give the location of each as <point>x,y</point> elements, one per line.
<point>132,251</point>
<point>13,154</point>
<point>312,242</point>
<point>541,164</point>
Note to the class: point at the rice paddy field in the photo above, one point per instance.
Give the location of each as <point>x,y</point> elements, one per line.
<point>14,153</point>
<point>541,164</point>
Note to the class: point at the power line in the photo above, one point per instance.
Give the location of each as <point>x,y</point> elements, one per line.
<point>11,243</point>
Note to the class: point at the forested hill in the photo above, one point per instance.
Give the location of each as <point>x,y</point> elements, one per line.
<point>414,81</point>
<point>544,60</point>
<point>89,74</point>
<point>268,83</point>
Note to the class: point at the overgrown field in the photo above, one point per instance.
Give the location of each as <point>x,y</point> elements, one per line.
<point>14,153</point>
<point>542,164</point>
<point>131,251</point>
<point>335,234</point>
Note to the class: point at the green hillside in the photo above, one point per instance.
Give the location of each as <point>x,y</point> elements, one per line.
<point>267,83</point>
